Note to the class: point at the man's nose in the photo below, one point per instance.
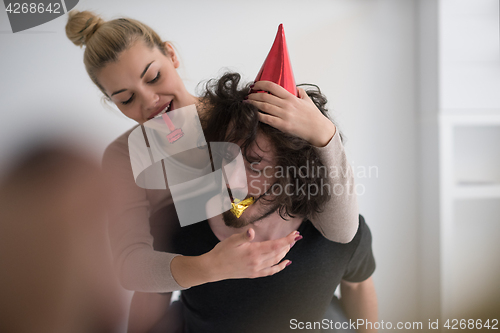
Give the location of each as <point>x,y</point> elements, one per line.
<point>237,178</point>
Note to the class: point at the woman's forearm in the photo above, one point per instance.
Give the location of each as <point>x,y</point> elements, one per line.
<point>339,219</point>
<point>190,271</point>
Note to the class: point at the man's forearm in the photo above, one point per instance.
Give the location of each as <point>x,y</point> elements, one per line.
<point>359,301</point>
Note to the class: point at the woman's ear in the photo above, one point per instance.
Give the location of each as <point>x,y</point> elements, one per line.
<point>171,54</point>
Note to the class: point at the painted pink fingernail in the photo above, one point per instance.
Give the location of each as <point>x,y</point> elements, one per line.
<point>291,245</point>
<point>288,263</point>
<point>252,85</point>
<point>298,238</point>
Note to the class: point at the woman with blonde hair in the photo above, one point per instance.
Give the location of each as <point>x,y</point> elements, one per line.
<point>136,70</point>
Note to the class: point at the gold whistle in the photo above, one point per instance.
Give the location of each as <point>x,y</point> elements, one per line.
<point>239,206</point>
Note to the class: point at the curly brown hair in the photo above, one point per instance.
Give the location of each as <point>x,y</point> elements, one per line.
<point>226,118</point>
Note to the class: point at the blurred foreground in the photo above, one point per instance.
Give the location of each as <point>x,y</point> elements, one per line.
<point>56,264</point>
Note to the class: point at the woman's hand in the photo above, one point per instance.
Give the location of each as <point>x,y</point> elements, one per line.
<point>236,257</point>
<point>296,116</point>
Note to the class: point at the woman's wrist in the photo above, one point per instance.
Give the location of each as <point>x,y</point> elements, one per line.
<point>324,136</point>
<point>190,271</point>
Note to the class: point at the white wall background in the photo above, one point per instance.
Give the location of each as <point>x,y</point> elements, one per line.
<point>469,84</point>
<point>469,55</point>
<point>362,53</point>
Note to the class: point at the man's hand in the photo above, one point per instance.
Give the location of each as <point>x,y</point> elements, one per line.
<point>359,301</point>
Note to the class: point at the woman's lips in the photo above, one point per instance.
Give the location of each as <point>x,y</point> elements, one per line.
<point>166,107</point>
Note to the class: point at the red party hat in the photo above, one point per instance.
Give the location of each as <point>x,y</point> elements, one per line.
<point>277,67</point>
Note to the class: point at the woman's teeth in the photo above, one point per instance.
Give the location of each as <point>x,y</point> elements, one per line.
<point>165,109</point>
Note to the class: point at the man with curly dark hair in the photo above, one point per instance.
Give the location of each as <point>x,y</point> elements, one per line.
<point>292,181</point>
<point>281,171</point>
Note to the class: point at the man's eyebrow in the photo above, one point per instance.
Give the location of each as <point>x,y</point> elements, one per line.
<point>257,158</point>
<point>142,75</point>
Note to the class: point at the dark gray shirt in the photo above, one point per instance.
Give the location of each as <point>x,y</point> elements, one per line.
<point>302,291</point>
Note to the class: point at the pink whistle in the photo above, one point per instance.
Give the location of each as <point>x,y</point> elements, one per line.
<point>175,133</point>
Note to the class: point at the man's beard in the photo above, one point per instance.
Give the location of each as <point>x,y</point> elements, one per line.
<point>233,222</point>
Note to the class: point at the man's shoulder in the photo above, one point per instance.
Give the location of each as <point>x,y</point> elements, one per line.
<point>362,227</point>
<point>363,235</point>
<point>362,262</point>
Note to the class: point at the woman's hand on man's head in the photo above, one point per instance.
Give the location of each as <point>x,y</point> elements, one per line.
<point>298,116</point>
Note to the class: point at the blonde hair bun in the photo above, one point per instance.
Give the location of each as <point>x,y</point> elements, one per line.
<point>105,40</point>
<point>81,26</point>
